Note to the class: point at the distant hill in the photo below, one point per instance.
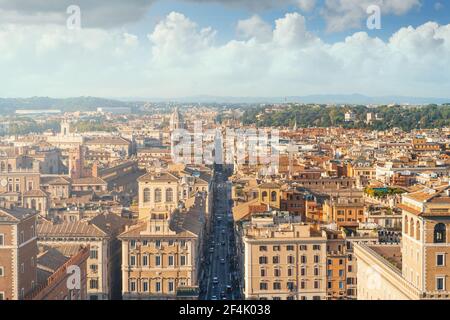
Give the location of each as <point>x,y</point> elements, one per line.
<point>321,99</point>
<point>10,105</point>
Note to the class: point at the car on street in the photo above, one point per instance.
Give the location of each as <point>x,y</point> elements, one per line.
<point>215,280</point>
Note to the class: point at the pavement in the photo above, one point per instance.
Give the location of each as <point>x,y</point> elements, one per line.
<point>219,282</point>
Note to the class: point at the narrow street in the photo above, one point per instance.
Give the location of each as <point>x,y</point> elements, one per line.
<point>220,271</point>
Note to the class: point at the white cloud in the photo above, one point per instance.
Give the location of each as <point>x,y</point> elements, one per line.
<point>254,27</point>
<point>181,58</point>
<point>306,5</point>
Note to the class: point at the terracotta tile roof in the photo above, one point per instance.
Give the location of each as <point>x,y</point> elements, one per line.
<point>69,229</point>
<point>162,177</point>
<point>89,180</point>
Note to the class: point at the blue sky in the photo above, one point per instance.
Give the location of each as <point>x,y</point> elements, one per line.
<point>224,17</point>
<point>169,48</point>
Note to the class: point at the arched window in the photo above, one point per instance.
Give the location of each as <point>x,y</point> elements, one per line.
<point>406,225</point>
<point>411,228</point>
<point>439,233</point>
<point>158,195</point>
<point>418,230</point>
<point>273,196</point>
<point>264,195</point>
<point>169,195</point>
<point>146,195</point>
<point>3,166</point>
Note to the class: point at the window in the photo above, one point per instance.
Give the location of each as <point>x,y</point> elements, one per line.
<point>171,286</point>
<point>273,196</point>
<point>183,260</point>
<point>304,259</point>
<point>263,273</point>
<point>316,247</point>
<point>316,284</point>
<point>276,259</point>
<point>2,239</point>
<point>145,260</point>
<point>157,260</point>
<point>290,248</point>
<point>169,195</point>
<point>264,195</point>
<point>262,286</point>
<point>132,285</point>
<point>290,286</point>
<point>276,272</point>
<point>439,233</point>
<point>22,237</point>
<point>146,195</point>
<point>2,296</point>
<point>158,243</point>
<point>262,248</point>
<point>440,260</point>
<point>276,286</point>
<point>133,244</point>
<point>93,254</point>
<point>440,283</point>
<point>158,286</point>
<point>290,272</point>
<point>158,195</point>
<point>262,260</point>
<point>290,260</point>
<point>22,268</point>
<point>2,271</point>
<point>145,286</point>
<point>303,284</point>
<point>93,267</point>
<point>303,272</point>
<point>316,271</point>
<point>93,283</point>
<point>132,260</point>
<point>316,259</point>
<point>276,248</point>
<point>171,261</point>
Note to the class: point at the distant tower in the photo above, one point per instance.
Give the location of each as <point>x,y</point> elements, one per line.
<point>76,162</point>
<point>176,120</point>
<point>65,128</point>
